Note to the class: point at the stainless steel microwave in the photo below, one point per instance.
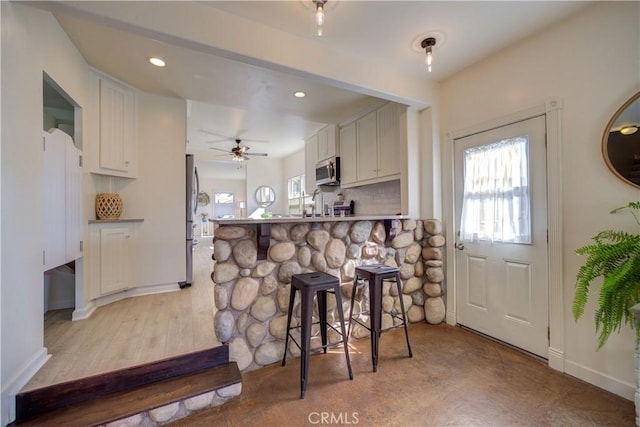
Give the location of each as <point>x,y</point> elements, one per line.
<point>328,171</point>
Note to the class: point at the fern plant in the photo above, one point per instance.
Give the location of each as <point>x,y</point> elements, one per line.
<point>614,255</point>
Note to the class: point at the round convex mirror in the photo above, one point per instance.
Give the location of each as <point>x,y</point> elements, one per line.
<point>621,142</point>
<point>265,196</point>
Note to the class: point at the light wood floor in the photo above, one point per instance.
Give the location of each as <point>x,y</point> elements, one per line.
<point>132,331</point>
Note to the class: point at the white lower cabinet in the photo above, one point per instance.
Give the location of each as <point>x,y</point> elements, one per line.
<point>113,250</point>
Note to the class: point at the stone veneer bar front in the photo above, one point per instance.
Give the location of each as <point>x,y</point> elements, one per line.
<point>255,259</point>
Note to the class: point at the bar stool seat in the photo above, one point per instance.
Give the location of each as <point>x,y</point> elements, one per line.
<point>375,274</point>
<point>310,284</point>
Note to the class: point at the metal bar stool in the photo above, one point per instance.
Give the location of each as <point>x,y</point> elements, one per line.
<point>375,274</point>
<point>309,284</point>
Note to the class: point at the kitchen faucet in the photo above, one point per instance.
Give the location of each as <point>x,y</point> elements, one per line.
<point>313,199</point>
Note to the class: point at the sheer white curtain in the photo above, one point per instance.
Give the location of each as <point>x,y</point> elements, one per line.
<point>496,202</point>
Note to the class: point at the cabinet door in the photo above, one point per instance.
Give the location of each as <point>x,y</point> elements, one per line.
<point>323,142</point>
<point>388,140</point>
<point>348,165</point>
<point>54,200</point>
<point>114,251</point>
<point>332,142</point>
<point>327,142</point>
<point>62,198</point>
<point>73,199</point>
<point>311,158</point>
<point>117,129</point>
<point>367,152</point>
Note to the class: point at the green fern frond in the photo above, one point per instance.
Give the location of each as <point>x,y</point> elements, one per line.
<point>614,256</point>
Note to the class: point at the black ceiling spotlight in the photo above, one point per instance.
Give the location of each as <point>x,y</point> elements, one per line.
<point>427,44</point>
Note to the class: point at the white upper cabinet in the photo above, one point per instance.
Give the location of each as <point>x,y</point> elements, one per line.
<point>327,142</point>
<point>366,143</point>
<point>311,158</point>
<point>348,166</point>
<point>388,140</point>
<point>371,147</point>
<point>117,154</point>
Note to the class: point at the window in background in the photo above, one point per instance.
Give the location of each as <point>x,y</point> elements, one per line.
<point>223,205</point>
<point>296,199</point>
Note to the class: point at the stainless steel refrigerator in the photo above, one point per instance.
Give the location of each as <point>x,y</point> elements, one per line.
<point>192,190</point>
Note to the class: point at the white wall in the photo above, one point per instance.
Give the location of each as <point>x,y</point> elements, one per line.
<point>2,410</point>
<point>214,185</point>
<point>32,42</point>
<point>266,172</point>
<point>591,62</point>
<point>158,194</point>
<point>293,165</point>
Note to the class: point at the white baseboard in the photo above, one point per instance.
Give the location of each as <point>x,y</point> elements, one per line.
<point>556,359</point>
<point>136,292</point>
<point>450,319</point>
<point>599,379</point>
<point>15,384</point>
<point>84,312</point>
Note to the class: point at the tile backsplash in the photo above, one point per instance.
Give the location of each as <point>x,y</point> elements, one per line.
<point>374,199</point>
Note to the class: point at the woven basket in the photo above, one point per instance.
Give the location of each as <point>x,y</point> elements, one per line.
<point>108,206</point>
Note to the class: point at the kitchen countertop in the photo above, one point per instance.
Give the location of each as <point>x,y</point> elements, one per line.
<point>298,219</point>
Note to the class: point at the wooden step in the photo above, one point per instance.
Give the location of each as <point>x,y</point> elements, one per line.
<point>127,403</point>
<point>118,394</point>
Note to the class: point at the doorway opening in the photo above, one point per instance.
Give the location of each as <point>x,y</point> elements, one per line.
<point>62,182</point>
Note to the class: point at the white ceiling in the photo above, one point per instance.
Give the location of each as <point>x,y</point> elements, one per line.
<point>235,99</point>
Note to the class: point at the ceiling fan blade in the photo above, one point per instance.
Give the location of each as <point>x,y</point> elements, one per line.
<point>213,133</point>
<point>260,141</point>
<point>257,154</point>
<point>216,141</point>
<point>218,149</point>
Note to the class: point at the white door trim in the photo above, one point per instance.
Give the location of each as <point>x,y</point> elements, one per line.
<point>552,110</point>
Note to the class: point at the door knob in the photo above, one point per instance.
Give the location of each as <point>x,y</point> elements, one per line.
<point>459,246</point>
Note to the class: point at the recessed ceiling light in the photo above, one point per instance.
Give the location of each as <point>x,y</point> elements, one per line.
<point>157,62</point>
<point>299,94</point>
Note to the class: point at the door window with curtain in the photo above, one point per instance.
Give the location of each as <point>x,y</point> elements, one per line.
<point>496,202</point>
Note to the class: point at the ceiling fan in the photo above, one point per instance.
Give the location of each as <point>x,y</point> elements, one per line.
<point>239,153</point>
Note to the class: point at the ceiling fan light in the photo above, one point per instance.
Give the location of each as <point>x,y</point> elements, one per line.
<point>299,94</point>
<point>427,44</point>
<point>629,130</point>
<point>319,12</point>
<point>319,15</point>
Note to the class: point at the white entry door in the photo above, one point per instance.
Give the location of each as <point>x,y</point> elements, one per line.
<point>501,234</point>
